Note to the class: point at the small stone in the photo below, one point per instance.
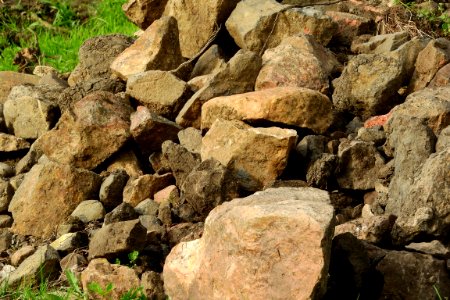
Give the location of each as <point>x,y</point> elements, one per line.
<point>5,239</point>
<point>88,211</point>
<point>123,212</point>
<point>145,187</point>
<point>6,170</point>
<point>147,207</point>
<point>111,190</point>
<point>70,241</point>
<point>191,139</point>
<point>21,254</point>
<point>73,262</point>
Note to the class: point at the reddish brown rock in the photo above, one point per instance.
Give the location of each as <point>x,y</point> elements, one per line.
<point>442,77</point>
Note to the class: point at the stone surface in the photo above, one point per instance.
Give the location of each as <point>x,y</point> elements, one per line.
<point>111,190</point>
<point>147,207</point>
<point>153,285</point>
<point>184,232</point>
<point>6,194</point>
<point>48,195</point>
<point>435,248</point>
<point>70,241</point>
<point>443,141</point>
<point>6,170</point>
<point>150,130</point>
<point>382,43</point>
<point>442,77</point>
<point>156,49</point>
<point>21,254</point>
<point>95,56</point>
<point>144,13</point>
<point>5,221</point>
<point>123,212</point>
<point>9,79</point>
<point>117,238</point>
<point>209,62</point>
<point>191,139</point>
<point>238,76</point>
<point>273,244</point>
<point>160,91</point>
<point>88,211</point>
<point>10,143</point>
<point>373,229</point>
<point>180,160</point>
<point>298,61</point>
<point>350,26</point>
<point>126,160</point>
<point>299,107</point>
<point>145,187</point>
<point>96,128</point>
<point>6,239</point>
<point>321,170</point>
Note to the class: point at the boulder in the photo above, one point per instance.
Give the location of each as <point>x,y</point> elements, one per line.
<point>145,187</point>
<point>300,107</point>
<point>209,62</point>
<point>442,77</point>
<point>349,26</point>
<point>257,156</point>
<point>48,195</point>
<point>89,211</point>
<point>95,129</point>
<point>273,244</point>
<point>11,143</point>
<point>156,49</point>
<point>180,160</point>
<point>10,79</point>
<point>144,13</point>
<point>111,190</point>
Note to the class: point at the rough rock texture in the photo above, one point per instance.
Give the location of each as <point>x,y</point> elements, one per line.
<point>156,49</point>
<point>350,26</point>
<point>6,194</point>
<point>9,79</point>
<point>299,107</point>
<point>145,187</point>
<point>257,156</point>
<point>11,143</point>
<point>210,61</point>
<point>144,13</point>
<point>191,139</point>
<point>122,212</point>
<point>96,55</point>
<point>298,61</point>
<point>111,190</point>
<point>197,21</point>
<point>180,160</point>
<point>88,211</point>
<point>442,77</point>
<point>96,128</point>
<point>273,244</point>
<point>382,43</point>
<point>48,195</point>
<point>153,285</point>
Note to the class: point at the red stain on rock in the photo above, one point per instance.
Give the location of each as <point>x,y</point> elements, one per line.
<point>377,120</point>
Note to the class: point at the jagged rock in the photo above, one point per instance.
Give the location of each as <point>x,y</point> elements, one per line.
<point>368,85</point>
<point>96,128</point>
<point>359,163</point>
<point>298,61</point>
<point>261,237</point>
<point>117,238</point>
<point>311,147</point>
<point>257,156</point>
<point>153,285</point>
<point>123,212</point>
<point>198,21</point>
<point>165,213</point>
<point>11,143</point>
<point>258,25</point>
<point>407,54</point>
<point>197,83</point>
<point>111,190</point>
<point>74,262</point>
<point>144,13</point>
<point>373,229</point>
<point>48,195</point>
<point>5,221</point>
<point>10,79</point>
<point>156,49</point>
<point>287,105</point>
<point>238,76</point>
<point>96,55</point>
<point>184,232</point>
<point>70,241</point>
<point>101,272</point>
<point>88,211</point>
<point>191,139</point>
<point>150,130</point>
<point>147,207</point>
<point>6,194</point>
<point>21,254</point>
<point>320,171</point>
<point>443,141</point>
<point>435,248</point>
<point>159,163</point>
<point>160,91</point>
<point>127,161</point>
<point>350,26</point>
<point>382,43</point>
<point>442,77</point>
<point>166,193</point>
<point>374,135</point>
<point>180,160</point>
<point>209,62</point>
<point>145,187</point>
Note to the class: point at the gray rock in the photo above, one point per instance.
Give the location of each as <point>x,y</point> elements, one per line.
<point>191,139</point>
<point>209,62</point>
<point>88,211</point>
<point>6,194</point>
<point>374,135</point>
<point>147,207</point>
<point>155,230</point>
<point>123,212</point>
<point>180,160</point>
<point>311,147</point>
<point>111,190</point>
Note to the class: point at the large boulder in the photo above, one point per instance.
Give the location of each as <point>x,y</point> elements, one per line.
<point>273,244</point>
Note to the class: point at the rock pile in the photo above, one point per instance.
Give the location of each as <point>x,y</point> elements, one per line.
<point>247,149</point>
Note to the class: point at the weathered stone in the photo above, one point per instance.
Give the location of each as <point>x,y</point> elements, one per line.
<point>298,61</point>
<point>257,156</point>
<point>184,232</point>
<point>407,54</point>
<point>126,160</point>
<point>159,162</point>
<point>101,272</point>
<point>442,77</point>
<point>374,135</point>
<point>191,139</point>
<point>350,26</point>
<point>48,195</point>
<point>144,13</point>
<point>153,285</point>
<point>96,128</point>
<point>2,119</point>
<point>311,147</point>
<point>374,229</point>
<point>150,130</point>
<point>10,143</point>
<point>238,76</point>
<point>287,105</point>
<point>74,262</point>
<point>435,248</point>
<point>21,254</point>
<point>273,244</point>
<point>165,213</point>
<point>96,55</point>
<point>5,239</point>
<point>117,238</point>
<point>321,170</point>
<point>160,91</point>
<point>197,83</point>
<point>70,241</point>
<point>147,207</point>
<point>111,190</point>
<point>258,25</point>
<point>197,22</point>
<point>443,141</point>
<point>123,212</point>
<point>145,187</point>
<point>6,170</point>
<point>9,79</point>
<point>180,160</point>
<point>166,193</point>
<point>209,62</point>
<point>382,43</point>
<point>359,163</point>
<point>5,221</point>
<point>88,211</point>
<point>368,85</point>
<point>6,194</point>
<point>156,49</point>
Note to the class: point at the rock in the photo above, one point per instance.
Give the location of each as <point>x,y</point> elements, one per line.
<point>350,26</point>
<point>359,163</point>
<point>257,156</point>
<point>48,195</point>
<point>165,213</point>
<point>374,229</point>
<point>6,194</point>
<point>435,55</point>
<point>321,170</point>
<point>208,185</point>
<point>6,170</point>
<point>126,160</point>
<point>238,76</point>
<point>150,130</point>
<point>144,13</point>
<point>70,241</point>
<point>74,262</point>
<point>441,78</point>
<point>197,22</point>
<point>191,139</point>
<point>383,43</point>
<point>9,79</point>
<point>5,239</point>
<point>443,141</point>
<point>166,194</point>
<point>209,62</point>
<point>184,232</point>
<point>145,187</point>
<point>96,128</point>
<point>147,207</point>
<point>258,25</point>
<point>2,119</point>
<point>299,61</point>
<point>159,163</point>
<point>5,221</point>
<point>249,243</point>
<point>10,143</point>
<point>153,285</point>
<point>311,147</point>
<point>100,271</point>
<point>180,160</point>
<point>374,135</point>
<point>30,159</point>
<point>368,85</point>
<point>88,211</point>
<point>117,238</point>
<point>111,190</point>
<point>196,83</point>
<point>96,55</point>
<point>299,107</point>
<point>44,263</point>
<point>123,212</point>
<point>156,49</point>
<point>21,254</point>
<point>435,248</point>
<point>160,91</point>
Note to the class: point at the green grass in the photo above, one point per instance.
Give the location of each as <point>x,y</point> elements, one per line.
<point>59,43</point>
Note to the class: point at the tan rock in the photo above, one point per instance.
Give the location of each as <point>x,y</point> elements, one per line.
<point>442,77</point>
<point>257,156</point>
<point>21,254</point>
<point>9,79</point>
<point>144,13</point>
<point>209,62</point>
<point>127,161</point>
<point>145,187</point>
<point>287,105</point>
<point>271,245</point>
<point>10,143</point>
<point>156,49</point>
<point>48,195</point>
